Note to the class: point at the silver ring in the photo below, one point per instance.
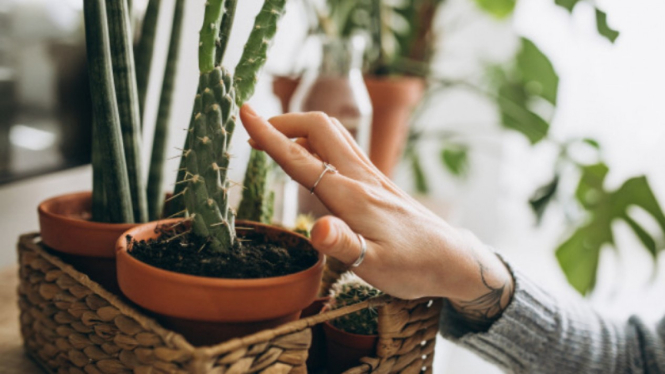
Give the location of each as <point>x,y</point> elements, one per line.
<point>363,251</point>
<point>326,168</point>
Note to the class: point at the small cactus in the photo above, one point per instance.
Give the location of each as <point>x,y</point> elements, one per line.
<point>349,290</point>
<point>257,202</point>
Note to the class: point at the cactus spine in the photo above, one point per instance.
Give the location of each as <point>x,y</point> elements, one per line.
<point>158,156</point>
<point>257,202</point>
<point>351,290</point>
<point>109,151</point>
<point>124,78</point>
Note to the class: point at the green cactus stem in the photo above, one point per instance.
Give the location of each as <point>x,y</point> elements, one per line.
<point>257,202</point>
<point>225,30</point>
<point>106,117</point>
<point>158,156</point>
<point>254,55</point>
<point>209,33</point>
<point>124,78</point>
<point>351,290</point>
<point>207,159</point>
<point>144,50</point>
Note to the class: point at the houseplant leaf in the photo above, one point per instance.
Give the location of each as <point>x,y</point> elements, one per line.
<point>603,28</point>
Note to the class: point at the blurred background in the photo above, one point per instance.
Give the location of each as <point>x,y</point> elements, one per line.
<point>538,121</point>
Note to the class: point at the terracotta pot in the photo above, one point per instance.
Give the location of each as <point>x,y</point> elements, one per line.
<point>393,100</point>
<point>316,357</point>
<point>212,310</point>
<point>345,349</point>
<point>88,246</point>
<point>283,87</point>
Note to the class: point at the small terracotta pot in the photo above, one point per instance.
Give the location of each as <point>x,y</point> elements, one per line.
<point>88,246</point>
<point>393,100</point>
<point>212,310</point>
<point>316,357</point>
<point>345,349</point>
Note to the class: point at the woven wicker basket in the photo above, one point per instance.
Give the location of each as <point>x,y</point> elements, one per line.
<point>72,325</point>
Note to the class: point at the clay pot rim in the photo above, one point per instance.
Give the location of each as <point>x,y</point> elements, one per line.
<point>329,324</point>
<point>45,208</point>
<point>196,280</point>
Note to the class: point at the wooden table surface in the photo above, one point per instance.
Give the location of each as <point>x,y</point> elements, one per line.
<point>13,359</point>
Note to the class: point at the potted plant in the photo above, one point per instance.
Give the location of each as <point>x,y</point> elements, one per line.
<point>397,64</point>
<point>353,336</point>
<point>83,227</point>
<point>200,274</point>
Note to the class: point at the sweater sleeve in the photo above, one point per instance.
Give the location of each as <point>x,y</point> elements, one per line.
<point>539,334</point>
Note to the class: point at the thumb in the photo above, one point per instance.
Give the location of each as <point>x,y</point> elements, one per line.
<point>333,237</point>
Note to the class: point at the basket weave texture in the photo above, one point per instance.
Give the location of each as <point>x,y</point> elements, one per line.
<point>72,325</point>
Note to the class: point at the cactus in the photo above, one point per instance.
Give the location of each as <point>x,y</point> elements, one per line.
<point>108,153</point>
<point>254,55</point>
<point>351,290</point>
<point>205,159</point>
<point>144,50</point>
<point>257,202</point>
<point>124,78</point>
<point>158,156</point>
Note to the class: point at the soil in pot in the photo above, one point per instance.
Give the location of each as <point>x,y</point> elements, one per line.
<point>253,257</point>
<point>265,281</point>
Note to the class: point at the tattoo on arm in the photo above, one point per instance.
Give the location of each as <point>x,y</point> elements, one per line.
<point>481,312</point>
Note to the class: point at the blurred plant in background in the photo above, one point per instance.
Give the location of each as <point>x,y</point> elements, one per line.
<point>402,38</point>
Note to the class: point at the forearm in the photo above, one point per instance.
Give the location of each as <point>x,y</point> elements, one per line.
<point>537,333</point>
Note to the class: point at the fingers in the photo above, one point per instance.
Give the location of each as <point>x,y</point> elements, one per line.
<point>322,135</point>
<point>333,237</point>
<point>296,160</point>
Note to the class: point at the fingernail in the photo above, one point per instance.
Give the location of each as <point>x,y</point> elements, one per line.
<point>331,237</point>
<point>249,110</point>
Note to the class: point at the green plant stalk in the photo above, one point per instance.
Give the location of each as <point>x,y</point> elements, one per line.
<point>158,156</point>
<point>225,30</point>
<point>124,78</point>
<point>106,117</point>
<point>144,50</point>
<point>254,55</point>
<point>99,210</point>
<point>257,203</point>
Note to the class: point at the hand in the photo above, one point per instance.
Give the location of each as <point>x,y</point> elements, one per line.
<point>411,252</point>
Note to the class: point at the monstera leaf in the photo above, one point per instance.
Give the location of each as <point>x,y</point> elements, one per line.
<point>530,79</point>
<point>579,254</point>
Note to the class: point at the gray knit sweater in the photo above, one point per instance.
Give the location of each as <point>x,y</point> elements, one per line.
<point>540,334</point>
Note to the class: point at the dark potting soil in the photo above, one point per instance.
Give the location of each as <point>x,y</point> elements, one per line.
<point>250,258</point>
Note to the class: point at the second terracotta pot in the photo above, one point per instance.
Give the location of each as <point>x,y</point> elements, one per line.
<point>393,100</point>
<point>344,350</point>
<point>65,227</point>
<point>212,310</point>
